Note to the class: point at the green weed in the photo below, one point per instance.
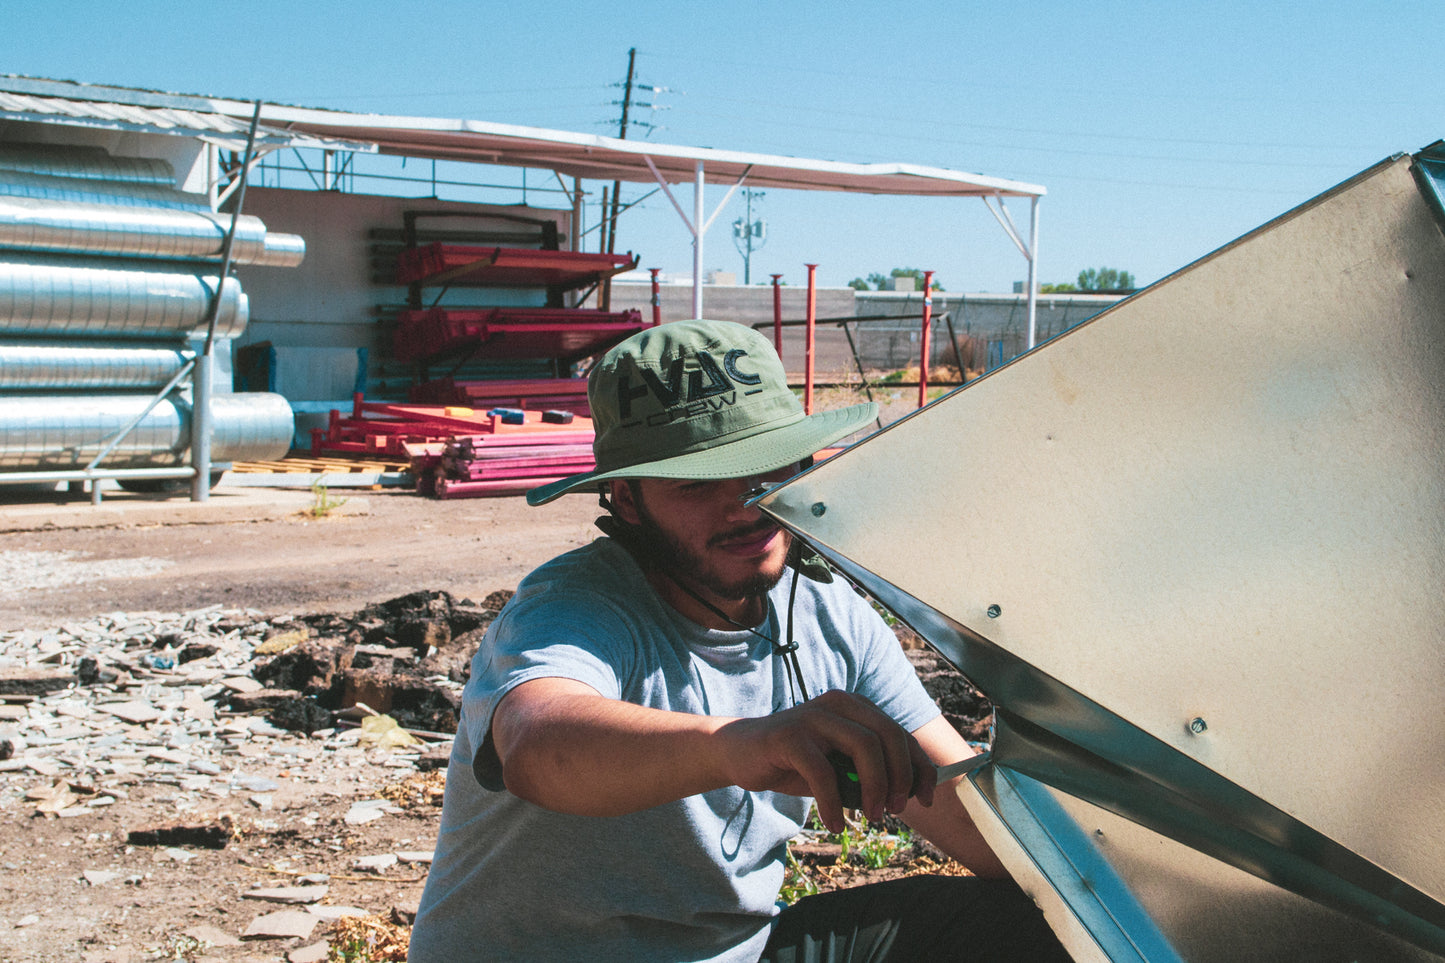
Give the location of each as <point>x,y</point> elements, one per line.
<point>322,504</point>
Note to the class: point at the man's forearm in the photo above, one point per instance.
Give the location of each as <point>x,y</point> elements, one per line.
<point>946,824</point>
<point>568,749</point>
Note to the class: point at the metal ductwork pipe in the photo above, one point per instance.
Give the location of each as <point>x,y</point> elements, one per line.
<point>90,298</point>
<point>37,367</point>
<point>40,225</point>
<point>89,163</point>
<point>44,187</point>
<point>68,431</point>
<point>282,250</point>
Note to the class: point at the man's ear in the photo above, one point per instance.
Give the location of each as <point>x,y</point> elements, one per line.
<point>623,502</point>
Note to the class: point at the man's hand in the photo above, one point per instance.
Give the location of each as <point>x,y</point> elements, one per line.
<point>788,752</point>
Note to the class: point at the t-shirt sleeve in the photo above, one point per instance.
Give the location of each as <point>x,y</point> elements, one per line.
<point>544,632</point>
<point>885,676</point>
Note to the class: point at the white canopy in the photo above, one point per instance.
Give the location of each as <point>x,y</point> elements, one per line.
<point>580,156</point>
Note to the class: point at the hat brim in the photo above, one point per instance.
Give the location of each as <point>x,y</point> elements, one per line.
<point>755,455</point>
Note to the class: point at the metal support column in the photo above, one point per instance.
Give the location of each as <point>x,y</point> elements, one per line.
<point>697,236</point>
<point>923,338</point>
<point>812,323</point>
<point>656,297</point>
<point>1033,257</point>
<point>778,314</point>
<point>202,383</point>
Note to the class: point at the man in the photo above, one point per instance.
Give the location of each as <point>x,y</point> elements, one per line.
<point>650,718</point>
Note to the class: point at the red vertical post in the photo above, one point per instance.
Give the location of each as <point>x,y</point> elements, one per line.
<point>812,322</point>
<point>923,348</point>
<point>778,314</point>
<point>656,298</point>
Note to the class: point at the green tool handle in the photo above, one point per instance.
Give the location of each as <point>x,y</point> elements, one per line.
<point>850,789</point>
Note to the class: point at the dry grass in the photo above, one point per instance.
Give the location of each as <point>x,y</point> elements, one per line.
<point>421,790</point>
<point>368,939</point>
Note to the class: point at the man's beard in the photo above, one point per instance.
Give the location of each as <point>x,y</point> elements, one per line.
<point>678,562</point>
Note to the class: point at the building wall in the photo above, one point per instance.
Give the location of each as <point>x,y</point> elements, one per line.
<point>342,298</point>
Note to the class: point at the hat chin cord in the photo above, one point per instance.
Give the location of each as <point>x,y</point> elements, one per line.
<point>637,544</point>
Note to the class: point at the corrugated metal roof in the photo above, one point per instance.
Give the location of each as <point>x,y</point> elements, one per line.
<point>216,127</point>
<point>586,156</point>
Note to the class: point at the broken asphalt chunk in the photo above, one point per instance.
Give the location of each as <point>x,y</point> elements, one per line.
<point>285,925</point>
<point>205,835</point>
<point>33,680</point>
<point>298,895</point>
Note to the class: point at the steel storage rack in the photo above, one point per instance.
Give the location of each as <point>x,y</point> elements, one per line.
<point>553,335</point>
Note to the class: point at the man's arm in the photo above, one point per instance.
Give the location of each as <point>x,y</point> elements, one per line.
<point>565,747</point>
<point>945,823</point>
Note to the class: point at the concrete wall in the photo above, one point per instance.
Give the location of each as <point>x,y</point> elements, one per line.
<point>990,328</point>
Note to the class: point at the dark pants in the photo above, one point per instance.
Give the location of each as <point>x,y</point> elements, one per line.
<point>920,918</point>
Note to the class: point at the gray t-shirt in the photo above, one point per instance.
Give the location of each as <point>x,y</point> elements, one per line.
<point>695,879</point>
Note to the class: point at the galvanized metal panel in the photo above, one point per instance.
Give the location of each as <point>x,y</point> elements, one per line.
<point>1179,905</point>
<point>82,163</point>
<point>66,431</point>
<point>86,191</point>
<point>35,367</point>
<point>99,297</point>
<point>32,224</point>
<point>1215,512</point>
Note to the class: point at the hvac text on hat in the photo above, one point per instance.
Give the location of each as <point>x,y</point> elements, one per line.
<point>671,394</point>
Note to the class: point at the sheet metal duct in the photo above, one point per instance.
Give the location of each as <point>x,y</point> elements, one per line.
<point>40,225</point>
<point>44,367</point>
<point>88,163</point>
<point>106,298</point>
<point>1193,550</point>
<point>86,191</point>
<point>68,431</point>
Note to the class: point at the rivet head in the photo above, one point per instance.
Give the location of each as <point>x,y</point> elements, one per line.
<point>819,509</point>
<point>1197,726</point>
<point>994,611</point>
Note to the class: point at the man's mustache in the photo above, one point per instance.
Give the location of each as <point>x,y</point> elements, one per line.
<point>745,532</point>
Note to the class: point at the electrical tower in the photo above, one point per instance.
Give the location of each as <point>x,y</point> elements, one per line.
<point>749,235</point>
<point>610,209</point>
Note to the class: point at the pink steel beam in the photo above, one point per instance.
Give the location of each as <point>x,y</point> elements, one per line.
<point>778,314</point>
<point>812,321</point>
<point>446,488</point>
<point>656,298</point>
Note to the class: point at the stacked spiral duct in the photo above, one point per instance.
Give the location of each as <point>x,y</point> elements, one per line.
<point>107,272</point>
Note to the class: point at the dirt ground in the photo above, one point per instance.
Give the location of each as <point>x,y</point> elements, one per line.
<point>81,888</point>
<point>244,548</point>
<point>256,548</point>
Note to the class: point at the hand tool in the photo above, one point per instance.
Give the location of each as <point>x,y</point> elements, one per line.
<point>851,790</point>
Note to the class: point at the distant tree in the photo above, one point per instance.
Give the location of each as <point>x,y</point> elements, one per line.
<point>1093,279</point>
<point>916,275</point>
<point>1105,279</point>
<point>882,282</point>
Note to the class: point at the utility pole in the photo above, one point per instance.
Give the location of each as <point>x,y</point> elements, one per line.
<point>610,230</point>
<point>745,229</point>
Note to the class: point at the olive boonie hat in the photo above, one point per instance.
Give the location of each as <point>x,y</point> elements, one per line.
<point>698,399</point>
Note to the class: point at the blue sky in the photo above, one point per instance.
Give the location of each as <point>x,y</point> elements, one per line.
<point>1161,130</point>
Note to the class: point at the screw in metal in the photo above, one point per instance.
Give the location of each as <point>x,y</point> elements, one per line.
<point>1197,726</point>
<point>994,611</point>
<point>818,509</point>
